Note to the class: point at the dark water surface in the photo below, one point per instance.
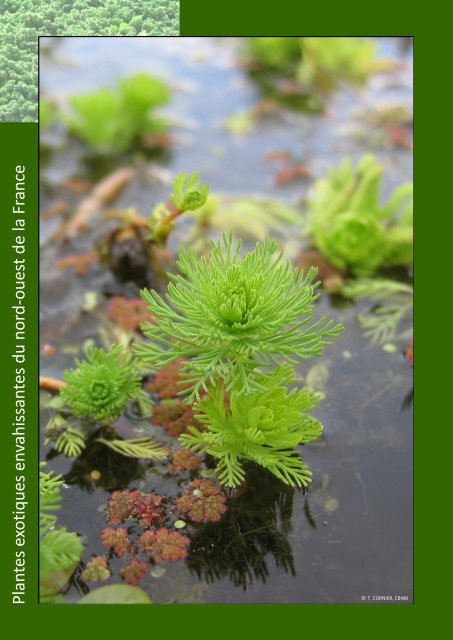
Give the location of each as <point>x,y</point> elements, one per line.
<point>350,535</point>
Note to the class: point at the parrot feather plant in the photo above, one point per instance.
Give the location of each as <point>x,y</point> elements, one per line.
<point>241,323</point>
<point>349,225</point>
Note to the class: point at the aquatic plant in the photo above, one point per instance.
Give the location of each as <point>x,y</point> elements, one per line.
<point>251,217</point>
<point>174,415</point>
<point>121,505</point>
<point>116,119</point>
<point>164,545</point>
<point>232,318</point>
<point>24,20</point>
<point>59,550</point>
<point>203,501</point>
<point>97,569</point>
<point>350,226</point>
<point>409,352</point>
<point>144,448</point>
<point>188,195</point>
<point>100,387</point>
<point>264,426</point>
<point>144,507</point>
<point>389,318</point>
<point>168,381</point>
<point>315,62</point>
<point>129,313</point>
<point>117,540</point>
<point>134,572</point>
<point>184,460</point>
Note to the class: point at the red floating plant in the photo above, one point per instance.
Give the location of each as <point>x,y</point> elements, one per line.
<point>129,313</point>
<point>120,506</point>
<point>134,572</point>
<point>175,416</point>
<point>146,509</point>
<point>203,500</point>
<point>164,545</point>
<point>117,540</point>
<point>409,353</point>
<point>184,460</point>
<point>80,264</point>
<point>142,506</point>
<point>168,382</point>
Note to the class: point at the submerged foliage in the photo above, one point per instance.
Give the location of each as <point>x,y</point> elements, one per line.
<point>24,20</point>
<point>232,315</point>
<point>100,387</point>
<point>263,427</point>
<point>392,307</point>
<point>350,226</point>
<point>114,119</point>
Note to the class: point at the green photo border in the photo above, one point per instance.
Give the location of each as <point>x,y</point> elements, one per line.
<point>19,145</point>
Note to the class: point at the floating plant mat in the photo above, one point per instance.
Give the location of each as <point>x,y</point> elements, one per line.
<point>350,534</point>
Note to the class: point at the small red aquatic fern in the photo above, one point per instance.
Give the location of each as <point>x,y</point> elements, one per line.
<point>203,500</point>
<point>164,545</point>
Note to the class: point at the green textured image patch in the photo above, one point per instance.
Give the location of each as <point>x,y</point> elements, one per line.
<point>22,21</point>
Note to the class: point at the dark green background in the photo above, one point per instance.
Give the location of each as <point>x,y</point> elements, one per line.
<point>432,578</point>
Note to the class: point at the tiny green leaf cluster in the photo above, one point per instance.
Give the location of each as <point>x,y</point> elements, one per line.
<point>114,119</point>
<point>241,323</point>
<point>188,195</point>
<point>350,226</point>
<point>100,387</point>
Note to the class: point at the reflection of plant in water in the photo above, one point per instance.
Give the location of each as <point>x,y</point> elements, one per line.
<point>59,550</point>
<point>231,319</point>
<point>98,466</point>
<point>392,308</point>
<point>350,226</point>
<point>253,529</point>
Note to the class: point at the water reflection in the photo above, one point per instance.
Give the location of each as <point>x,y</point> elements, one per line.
<point>254,528</point>
<point>100,467</point>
